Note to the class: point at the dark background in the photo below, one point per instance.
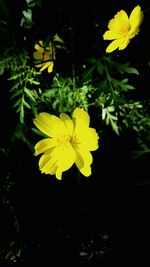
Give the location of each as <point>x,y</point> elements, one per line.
<point>92,221</point>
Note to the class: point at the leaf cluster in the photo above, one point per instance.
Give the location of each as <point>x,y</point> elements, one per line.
<point>24,82</point>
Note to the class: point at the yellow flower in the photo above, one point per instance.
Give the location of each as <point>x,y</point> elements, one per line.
<point>123,28</point>
<point>69,141</point>
<point>44,56</point>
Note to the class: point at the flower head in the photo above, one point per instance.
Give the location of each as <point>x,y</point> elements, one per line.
<point>123,28</point>
<point>44,56</point>
<point>69,141</point>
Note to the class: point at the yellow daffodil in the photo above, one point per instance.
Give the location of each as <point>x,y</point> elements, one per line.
<point>44,56</point>
<point>69,141</point>
<point>123,28</point>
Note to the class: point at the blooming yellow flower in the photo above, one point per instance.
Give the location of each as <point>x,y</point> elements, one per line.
<point>69,141</point>
<point>44,56</point>
<point>123,28</point>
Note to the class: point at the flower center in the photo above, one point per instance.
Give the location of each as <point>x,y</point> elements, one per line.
<point>46,55</point>
<point>63,139</point>
<point>124,29</point>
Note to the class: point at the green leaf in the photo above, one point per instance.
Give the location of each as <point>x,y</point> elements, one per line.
<point>15,86</point>
<point>33,3</point>
<point>26,104</point>
<point>29,94</point>
<point>56,38</point>
<point>101,67</point>
<point>31,81</point>
<point>16,94</point>
<point>22,113</point>
<point>127,87</point>
<point>115,127</point>
<point>131,70</point>
<point>2,68</point>
<point>50,92</point>
<point>124,68</point>
<point>27,14</point>
<point>17,103</point>
<point>39,133</point>
<point>13,77</point>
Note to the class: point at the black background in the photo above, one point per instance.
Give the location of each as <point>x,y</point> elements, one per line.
<point>99,220</point>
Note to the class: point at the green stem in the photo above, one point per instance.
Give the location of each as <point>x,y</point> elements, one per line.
<point>108,77</point>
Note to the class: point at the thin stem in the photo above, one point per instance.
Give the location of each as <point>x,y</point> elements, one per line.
<point>72,23</point>
<point>108,77</point>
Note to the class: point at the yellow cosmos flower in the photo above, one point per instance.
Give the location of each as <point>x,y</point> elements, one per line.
<point>69,141</point>
<point>123,28</point>
<point>44,56</point>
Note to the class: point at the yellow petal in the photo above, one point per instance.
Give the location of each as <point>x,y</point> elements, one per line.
<point>111,35</point>
<point>81,116</point>
<point>50,125</point>
<point>51,65</point>
<point>47,163</point>
<point>68,123</point>
<point>113,45</point>
<point>39,47</point>
<point>124,43</point>
<point>66,160</point>
<point>44,145</point>
<point>83,134</point>
<point>136,17</point>
<point>57,160</point>
<point>83,160</point>
<point>90,139</point>
<point>119,20</point>
<point>45,65</point>
<point>133,32</point>
<point>39,65</point>
<point>38,55</point>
